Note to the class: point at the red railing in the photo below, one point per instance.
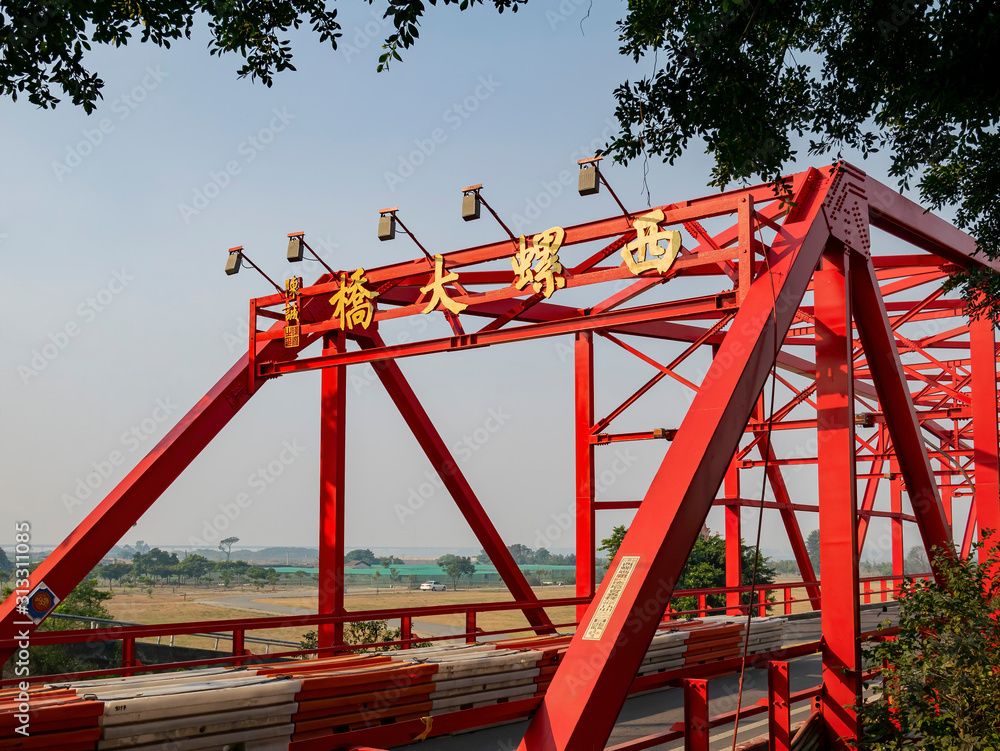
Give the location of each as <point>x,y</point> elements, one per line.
<point>128,635</point>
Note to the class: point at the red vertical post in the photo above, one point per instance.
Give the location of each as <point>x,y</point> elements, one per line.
<point>734,553</point>
<point>779,716</point>
<point>984,427</point>
<point>695,715</point>
<point>788,600</point>
<point>128,652</point>
<point>586,543</point>
<point>947,497</point>
<point>239,644</point>
<point>470,627</point>
<point>896,523</point>
<point>837,498</point>
<point>332,445</point>
<point>406,631</point>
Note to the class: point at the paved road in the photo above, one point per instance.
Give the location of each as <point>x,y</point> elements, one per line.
<point>656,711</point>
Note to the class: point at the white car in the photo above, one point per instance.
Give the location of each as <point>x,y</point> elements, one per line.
<point>433,586</point>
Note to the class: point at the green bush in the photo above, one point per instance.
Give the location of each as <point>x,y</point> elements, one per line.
<point>941,672</point>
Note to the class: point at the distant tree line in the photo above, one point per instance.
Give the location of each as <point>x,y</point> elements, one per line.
<point>367,557</point>
<point>156,566</point>
<point>525,556</point>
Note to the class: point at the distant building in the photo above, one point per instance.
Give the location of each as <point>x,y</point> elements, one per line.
<point>356,564</point>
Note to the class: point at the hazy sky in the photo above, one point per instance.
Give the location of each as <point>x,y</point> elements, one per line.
<point>117,316</point>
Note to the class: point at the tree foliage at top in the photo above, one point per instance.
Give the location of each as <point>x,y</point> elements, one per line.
<point>941,678</point>
<point>43,45</point>
<point>915,78</point>
<point>525,556</point>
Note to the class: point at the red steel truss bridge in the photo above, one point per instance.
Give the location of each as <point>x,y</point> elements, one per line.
<point>832,297</point>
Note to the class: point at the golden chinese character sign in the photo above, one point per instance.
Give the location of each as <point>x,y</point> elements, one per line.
<point>645,252</point>
<point>439,295</point>
<point>292,287</point>
<point>352,303</point>
<point>538,264</point>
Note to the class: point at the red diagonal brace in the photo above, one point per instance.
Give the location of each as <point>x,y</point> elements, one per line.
<point>444,464</point>
<point>894,395</point>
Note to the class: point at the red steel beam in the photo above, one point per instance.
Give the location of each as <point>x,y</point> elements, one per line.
<point>984,429</point>
<point>586,553</point>
<point>451,475</point>
<point>734,537</point>
<point>838,529</point>
<point>581,322</point>
<point>332,450</point>
<point>587,691</point>
<point>879,342</point>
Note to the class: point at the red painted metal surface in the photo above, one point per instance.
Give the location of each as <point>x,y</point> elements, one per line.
<point>332,478</point>
<point>891,396</point>
<point>779,721</point>
<point>695,715</point>
<point>984,403</point>
<point>838,525</point>
<point>586,544</point>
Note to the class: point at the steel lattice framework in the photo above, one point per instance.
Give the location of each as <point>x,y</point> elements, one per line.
<point>886,374</point>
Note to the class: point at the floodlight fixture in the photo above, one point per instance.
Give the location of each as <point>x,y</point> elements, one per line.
<point>297,246</point>
<point>387,223</point>
<point>591,179</point>
<point>471,202</point>
<point>236,256</point>
<point>472,199</point>
<point>590,176</point>
<point>234,260</point>
<point>296,249</point>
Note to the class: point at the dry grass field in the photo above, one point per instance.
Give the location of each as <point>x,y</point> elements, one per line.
<point>166,606</point>
<point>178,605</point>
<point>404,598</point>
